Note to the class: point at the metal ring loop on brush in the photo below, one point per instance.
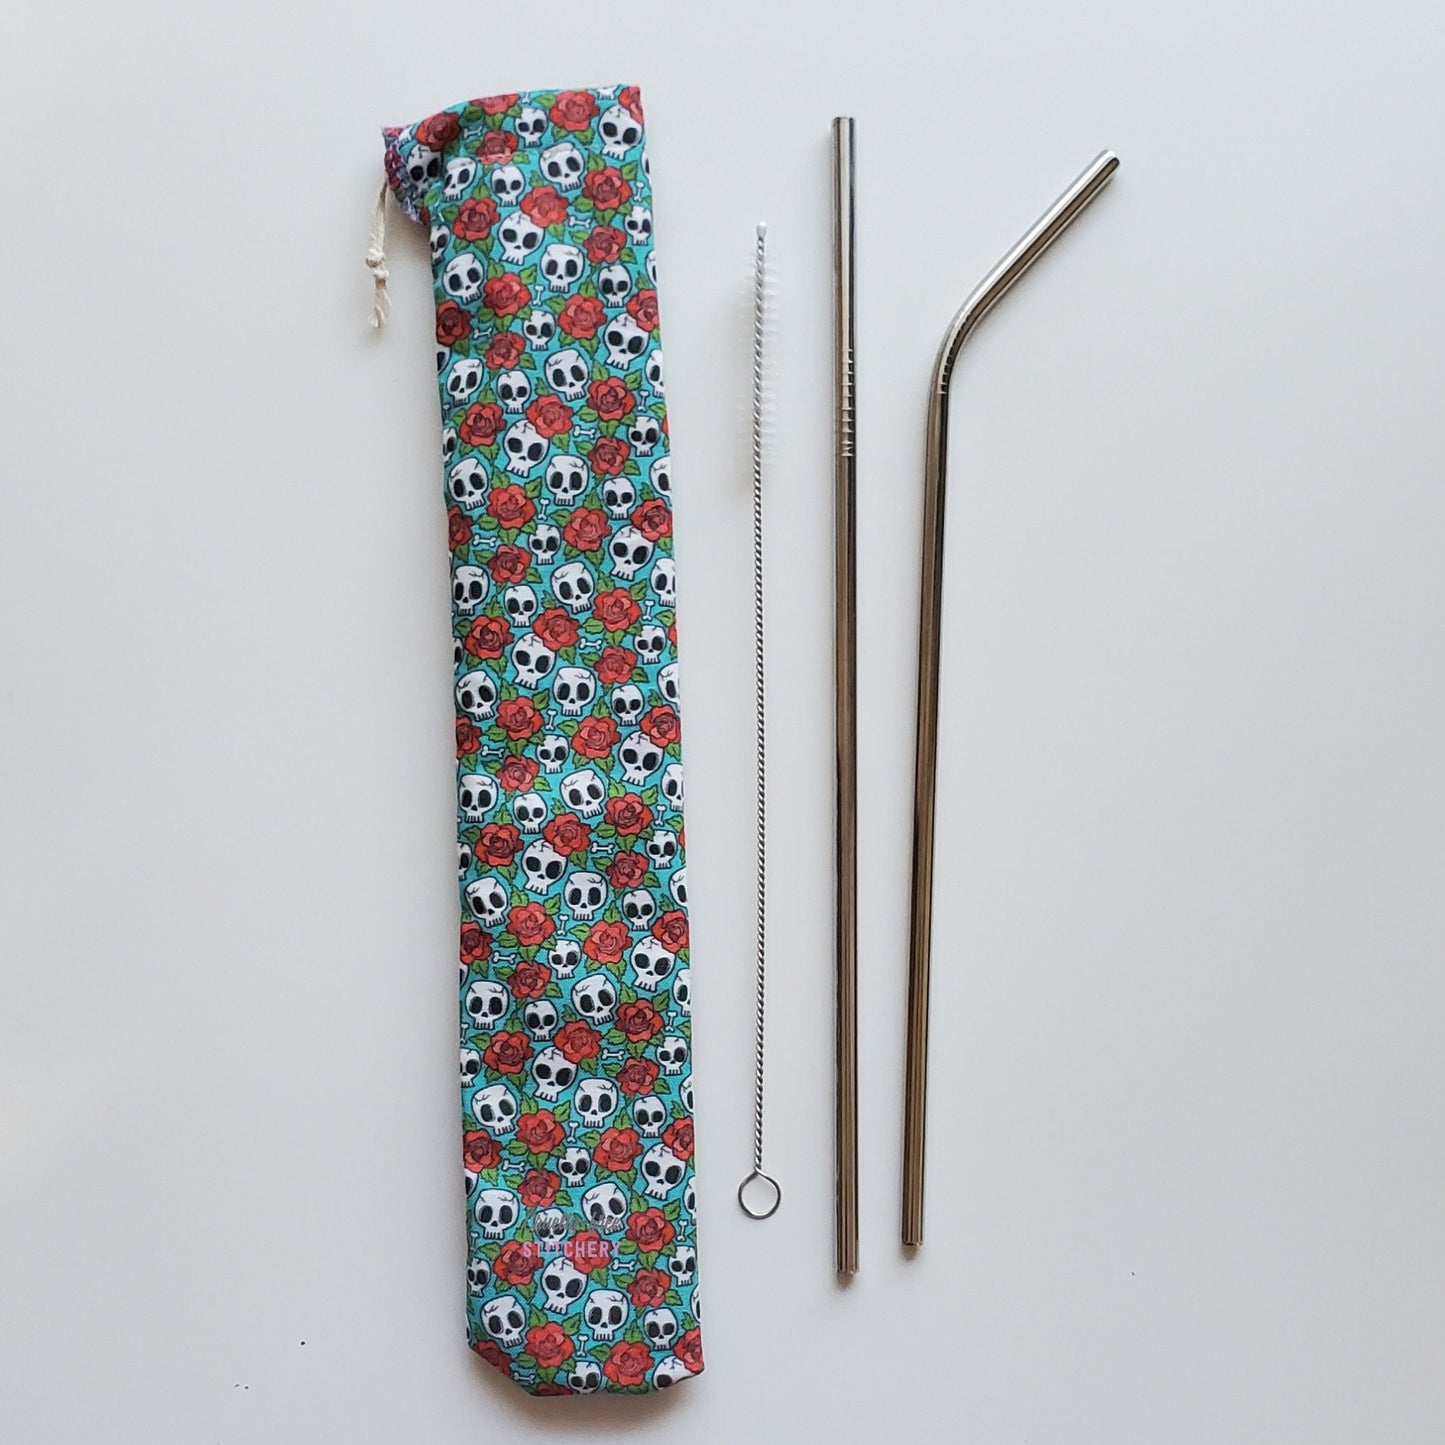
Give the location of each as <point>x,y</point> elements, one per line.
<point>758,1177</point>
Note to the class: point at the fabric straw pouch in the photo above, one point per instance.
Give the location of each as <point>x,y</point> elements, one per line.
<point>575,1038</point>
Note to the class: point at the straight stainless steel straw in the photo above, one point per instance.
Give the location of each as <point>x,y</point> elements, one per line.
<point>1044,232</point>
<point>845,687</point>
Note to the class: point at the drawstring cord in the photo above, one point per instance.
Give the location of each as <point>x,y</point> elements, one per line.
<point>376,261</point>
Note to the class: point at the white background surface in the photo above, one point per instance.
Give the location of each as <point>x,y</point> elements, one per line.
<point>1186,1176</point>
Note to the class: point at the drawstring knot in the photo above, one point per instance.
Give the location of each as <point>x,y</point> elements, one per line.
<point>376,261</point>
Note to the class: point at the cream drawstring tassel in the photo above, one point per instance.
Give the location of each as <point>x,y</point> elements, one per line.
<point>376,261</point>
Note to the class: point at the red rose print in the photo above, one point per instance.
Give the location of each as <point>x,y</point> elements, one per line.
<point>505,295</point>
<point>499,841</point>
<point>515,1263</point>
<point>671,930</point>
<point>438,131</point>
<point>616,664</point>
<point>497,145</point>
<point>508,1053</point>
<point>578,1041</point>
<point>539,1188</point>
<point>689,1350</point>
<point>459,527</point>
<point>590,1252</point>
<point>491,1352</point>
<point>678,1137</point>
<point>530,925</point>
<point>643,309</point>
<point>517,774</point>
<point>653,519</point>
<point>607,942</point>
<point>639,1020</point>
<point>627,1363</point>
<point>501,104</point>
<point>612,399</point>
<point>631,102</point>
<point>628,814</point>
<point>587,529</point>
<point>475,219</point>
<point>556,629</point>
<point>544,206</point>
<point>605,245</point>
<point>481,424</point>
<point>649,1287</point>
<point>468,738</point>
<point>550,415</point>
<point>573,110</point>
<point>567,833</point>
<point>615,610</point>
<point>503,353</point>
<point>608,456</point>
<point>453,324</point>
<point>582,317</point>
<point>606,189</point>
<point>476,944</point>
<point>595,737</point>
<point>650,1230</point>
<point>511,506</point>
<point>627,870</point>
<point>662,725</point>
<point>480,1151</point>
<point>518,718</point>
<point>637,1076</point>
<point>529,979</point>
<point>510,564</point>
<point>540,1132</point>
<point>617,1150</point>
<point>487,637</point>
<point>550,1345</point>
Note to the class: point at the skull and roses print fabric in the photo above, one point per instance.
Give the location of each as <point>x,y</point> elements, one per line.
<point>575,1053</point>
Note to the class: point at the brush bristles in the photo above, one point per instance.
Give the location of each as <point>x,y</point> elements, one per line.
<point>760,315</point>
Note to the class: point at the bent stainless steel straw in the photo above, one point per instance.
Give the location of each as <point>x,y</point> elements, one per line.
<point>1044,232</point>
<point>845,612</point>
